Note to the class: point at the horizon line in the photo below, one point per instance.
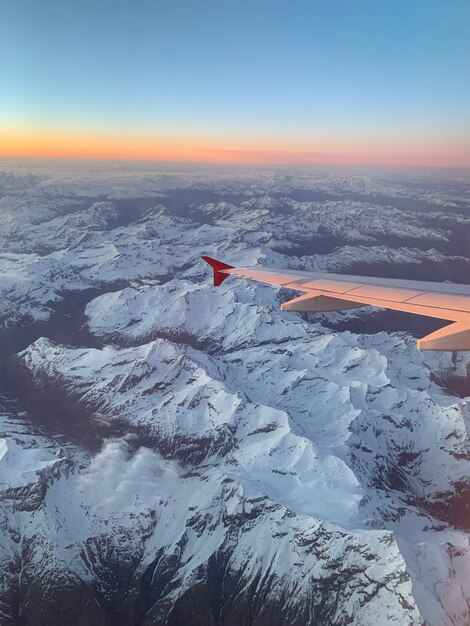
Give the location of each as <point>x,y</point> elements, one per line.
<point>288,164</point>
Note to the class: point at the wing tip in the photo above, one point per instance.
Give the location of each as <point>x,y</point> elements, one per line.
<point>219,268</point>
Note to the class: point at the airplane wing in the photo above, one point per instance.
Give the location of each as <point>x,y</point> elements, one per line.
<point>335,292</point>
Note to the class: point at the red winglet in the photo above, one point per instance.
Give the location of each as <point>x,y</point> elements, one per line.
<point>218,267</point>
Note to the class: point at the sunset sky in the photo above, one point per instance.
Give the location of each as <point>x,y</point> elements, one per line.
<point>302,82</point>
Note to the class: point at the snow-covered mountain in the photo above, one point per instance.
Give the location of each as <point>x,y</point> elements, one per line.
<point>175,454</point>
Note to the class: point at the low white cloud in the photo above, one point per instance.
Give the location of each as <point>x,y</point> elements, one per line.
<point>119,478</point>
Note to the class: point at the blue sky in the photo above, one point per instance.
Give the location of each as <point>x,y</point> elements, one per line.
<point>265,72</point>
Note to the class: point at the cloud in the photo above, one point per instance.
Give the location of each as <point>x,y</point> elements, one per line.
<point>119,478</point>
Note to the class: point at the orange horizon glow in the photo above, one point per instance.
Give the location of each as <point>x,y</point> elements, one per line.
<point>93,145</point>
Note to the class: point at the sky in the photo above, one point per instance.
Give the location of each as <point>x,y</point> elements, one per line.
<point>384,82</point>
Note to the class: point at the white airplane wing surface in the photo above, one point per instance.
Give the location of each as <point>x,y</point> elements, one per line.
<point>335,292</point>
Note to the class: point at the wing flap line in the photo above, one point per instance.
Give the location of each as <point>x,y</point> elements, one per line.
<point>428,308</point>
<point>318,303</point>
